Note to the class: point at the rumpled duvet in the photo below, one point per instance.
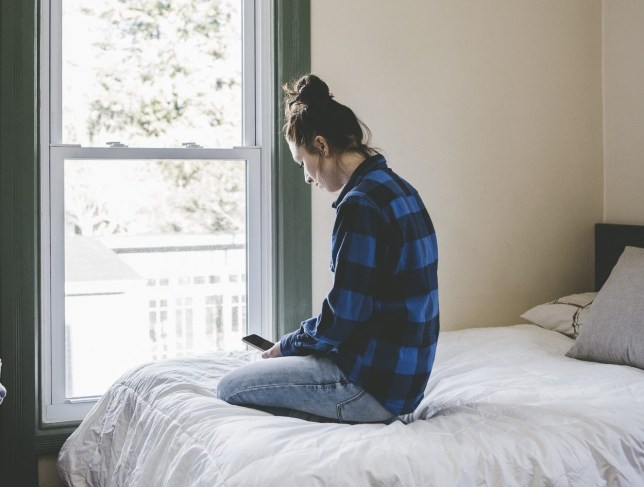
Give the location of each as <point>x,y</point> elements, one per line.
<point>504,407</point>
<point>3,391</point>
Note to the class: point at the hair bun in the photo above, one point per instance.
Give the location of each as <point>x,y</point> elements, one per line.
<point>312,90</point>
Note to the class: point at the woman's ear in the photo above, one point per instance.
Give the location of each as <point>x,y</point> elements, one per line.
<point>322,145</point>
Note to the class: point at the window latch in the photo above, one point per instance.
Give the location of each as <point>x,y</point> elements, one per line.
<point>116,144</point>
<point>191,145</point>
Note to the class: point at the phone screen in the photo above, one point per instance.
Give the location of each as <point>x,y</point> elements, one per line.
<point>257,342</point>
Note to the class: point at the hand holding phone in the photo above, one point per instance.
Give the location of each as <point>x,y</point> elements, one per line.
<point>258,342</point>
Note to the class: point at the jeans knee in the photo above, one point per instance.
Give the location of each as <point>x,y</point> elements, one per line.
<point>224,388</point>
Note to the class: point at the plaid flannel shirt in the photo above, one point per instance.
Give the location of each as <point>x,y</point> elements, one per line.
<point>380,321</point>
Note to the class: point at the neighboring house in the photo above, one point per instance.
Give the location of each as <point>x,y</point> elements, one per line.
<point>171,296</point>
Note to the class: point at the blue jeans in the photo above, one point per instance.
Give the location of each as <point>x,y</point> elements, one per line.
<point>310,387</point>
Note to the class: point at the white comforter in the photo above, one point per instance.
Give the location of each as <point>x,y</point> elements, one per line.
<point>504,407</point>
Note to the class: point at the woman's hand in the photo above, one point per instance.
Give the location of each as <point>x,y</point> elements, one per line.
<point>273,352</point>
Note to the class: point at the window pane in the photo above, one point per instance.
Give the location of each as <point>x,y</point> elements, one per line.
<point>139,238</point>
<point>152,73</point>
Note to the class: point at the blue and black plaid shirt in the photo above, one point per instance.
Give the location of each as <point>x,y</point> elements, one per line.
<point>380,321</point>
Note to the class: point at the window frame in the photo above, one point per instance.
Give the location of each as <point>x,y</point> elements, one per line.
<point>23,437</point>
<point>257,117</point>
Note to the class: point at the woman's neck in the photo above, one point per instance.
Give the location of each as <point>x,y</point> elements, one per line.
<point>347,163</point>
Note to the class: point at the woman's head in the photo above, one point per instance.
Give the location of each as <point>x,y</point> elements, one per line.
<point>311,111</point>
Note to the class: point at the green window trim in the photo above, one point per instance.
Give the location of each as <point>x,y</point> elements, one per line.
<point>22,439</point>
<point>19,303</point>
<point>291,229</point>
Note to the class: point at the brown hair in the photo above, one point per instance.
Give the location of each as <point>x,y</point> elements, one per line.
<point>310,110</point>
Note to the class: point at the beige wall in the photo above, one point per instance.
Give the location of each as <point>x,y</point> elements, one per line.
<point>47,473</point>
<point>623,57</point>
<point>493,110</point>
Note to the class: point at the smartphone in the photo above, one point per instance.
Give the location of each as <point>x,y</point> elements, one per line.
<point>257,342</point>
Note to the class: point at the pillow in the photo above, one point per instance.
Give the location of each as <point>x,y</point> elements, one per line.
<point>565,315</point>
<point>615,330</point>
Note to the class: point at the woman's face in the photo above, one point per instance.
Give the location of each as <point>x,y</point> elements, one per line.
<point>318,168</point>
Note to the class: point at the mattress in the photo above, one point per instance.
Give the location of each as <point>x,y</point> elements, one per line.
<point>503,407</point>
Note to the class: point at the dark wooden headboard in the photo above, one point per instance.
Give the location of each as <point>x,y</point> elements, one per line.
<point>610,240</point>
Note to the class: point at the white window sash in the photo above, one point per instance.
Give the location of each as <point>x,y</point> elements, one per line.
<point>257,138</point>
<point>255,16</point>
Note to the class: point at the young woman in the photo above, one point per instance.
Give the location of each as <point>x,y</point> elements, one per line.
<point>367,357</point>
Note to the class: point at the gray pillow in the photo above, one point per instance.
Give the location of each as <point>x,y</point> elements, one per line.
<point>614,333</point>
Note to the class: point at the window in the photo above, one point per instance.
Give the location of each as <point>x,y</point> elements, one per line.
<point>156,132</point>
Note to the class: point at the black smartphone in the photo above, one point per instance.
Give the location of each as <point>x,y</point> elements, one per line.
<point>257,342</point>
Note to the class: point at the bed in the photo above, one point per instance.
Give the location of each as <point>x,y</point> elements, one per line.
<point>504,406</point>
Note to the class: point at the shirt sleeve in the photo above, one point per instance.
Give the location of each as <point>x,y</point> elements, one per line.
<point>355,252</point>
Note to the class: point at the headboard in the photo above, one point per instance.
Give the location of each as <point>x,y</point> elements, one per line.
<point>610,240</point>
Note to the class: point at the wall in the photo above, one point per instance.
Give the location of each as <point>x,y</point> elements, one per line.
<point>47,472</point>
<point>493,111</point>
<point>623,48</point>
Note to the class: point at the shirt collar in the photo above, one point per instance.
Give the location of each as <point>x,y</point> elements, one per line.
<point>371,163</point>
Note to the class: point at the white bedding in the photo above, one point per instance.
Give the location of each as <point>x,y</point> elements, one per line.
<point>504,407</point>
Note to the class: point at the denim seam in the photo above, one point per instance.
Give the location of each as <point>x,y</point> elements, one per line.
<point>343,403</point>
<point>268,386</point>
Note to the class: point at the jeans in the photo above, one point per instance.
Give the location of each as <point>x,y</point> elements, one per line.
<point>310,387</point>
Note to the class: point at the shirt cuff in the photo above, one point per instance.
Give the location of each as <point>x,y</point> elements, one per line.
<point>298,342</point>
<point>287,344</point>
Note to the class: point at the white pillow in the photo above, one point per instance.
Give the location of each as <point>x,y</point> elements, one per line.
<point>565,315</point>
